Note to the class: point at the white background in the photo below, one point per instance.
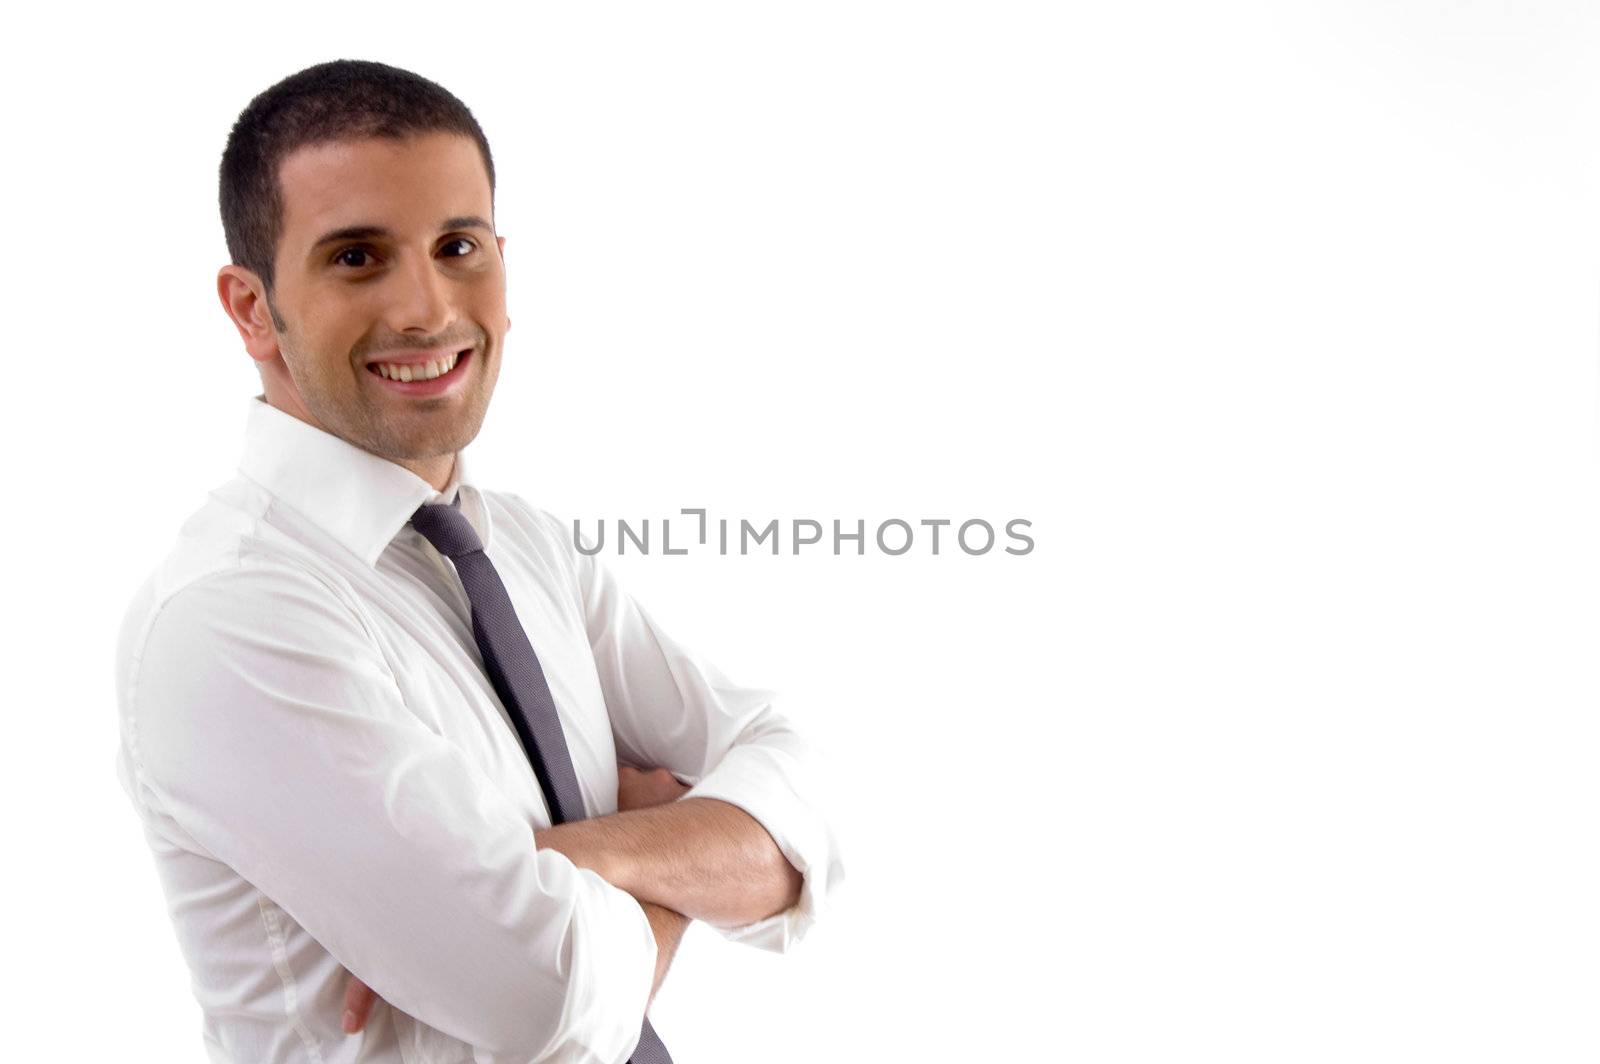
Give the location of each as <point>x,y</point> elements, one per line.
<point>1278,321</point>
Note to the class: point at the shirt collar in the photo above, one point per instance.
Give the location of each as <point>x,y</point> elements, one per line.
<point>360,499</point>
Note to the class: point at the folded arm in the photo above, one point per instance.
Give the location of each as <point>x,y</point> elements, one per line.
<point>702,857</point>
<point>680,858</point>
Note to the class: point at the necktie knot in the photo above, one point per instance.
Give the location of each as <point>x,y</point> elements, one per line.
<point>447,528</point>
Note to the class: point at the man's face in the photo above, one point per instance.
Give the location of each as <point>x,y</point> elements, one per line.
<point>387,254</point>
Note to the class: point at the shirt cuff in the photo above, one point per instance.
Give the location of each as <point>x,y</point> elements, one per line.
<point>612,958</point>
<point>757,780</point>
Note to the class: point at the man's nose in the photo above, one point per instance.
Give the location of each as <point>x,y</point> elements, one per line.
<point>420,300</point>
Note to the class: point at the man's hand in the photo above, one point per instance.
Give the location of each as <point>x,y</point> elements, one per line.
<point>635,790</point>
<point>358,999</point>
<point>641,790</point>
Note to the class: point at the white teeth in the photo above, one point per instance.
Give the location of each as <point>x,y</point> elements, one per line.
<point>424,372</point>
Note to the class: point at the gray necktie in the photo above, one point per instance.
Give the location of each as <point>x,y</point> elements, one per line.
<point>518,679</point>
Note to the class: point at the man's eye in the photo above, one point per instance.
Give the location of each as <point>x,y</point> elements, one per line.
<point>470,247</point>
<point>355,257</point>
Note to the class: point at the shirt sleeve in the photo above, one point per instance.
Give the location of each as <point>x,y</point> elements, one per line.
<point>672,709</point>
<point>268,723</point>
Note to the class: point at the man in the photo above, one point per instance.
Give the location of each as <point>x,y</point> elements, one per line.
<point>337,760</point>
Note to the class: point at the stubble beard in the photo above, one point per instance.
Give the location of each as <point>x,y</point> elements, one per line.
<point>368,422</point>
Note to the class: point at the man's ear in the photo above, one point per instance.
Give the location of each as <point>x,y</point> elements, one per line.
<point>500,241</point>
<point>244,299</point>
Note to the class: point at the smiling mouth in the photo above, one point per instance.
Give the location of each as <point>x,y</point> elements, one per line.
<point>425,371</point>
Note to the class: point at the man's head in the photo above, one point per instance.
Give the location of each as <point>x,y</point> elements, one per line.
<point>358,205</point>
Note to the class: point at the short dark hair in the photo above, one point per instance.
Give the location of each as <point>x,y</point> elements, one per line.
<point>341,100</point>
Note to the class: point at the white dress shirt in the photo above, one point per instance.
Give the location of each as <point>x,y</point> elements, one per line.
<point>328,780</point>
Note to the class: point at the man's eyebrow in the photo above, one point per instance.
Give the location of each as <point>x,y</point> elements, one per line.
<point>378,232</point>
<point>465,221</point>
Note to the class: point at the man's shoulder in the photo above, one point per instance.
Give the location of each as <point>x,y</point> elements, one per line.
<point>224,543</point>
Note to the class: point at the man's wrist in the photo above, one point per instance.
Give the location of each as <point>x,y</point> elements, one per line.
<point>585,844</point>
<point>668,927</point>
